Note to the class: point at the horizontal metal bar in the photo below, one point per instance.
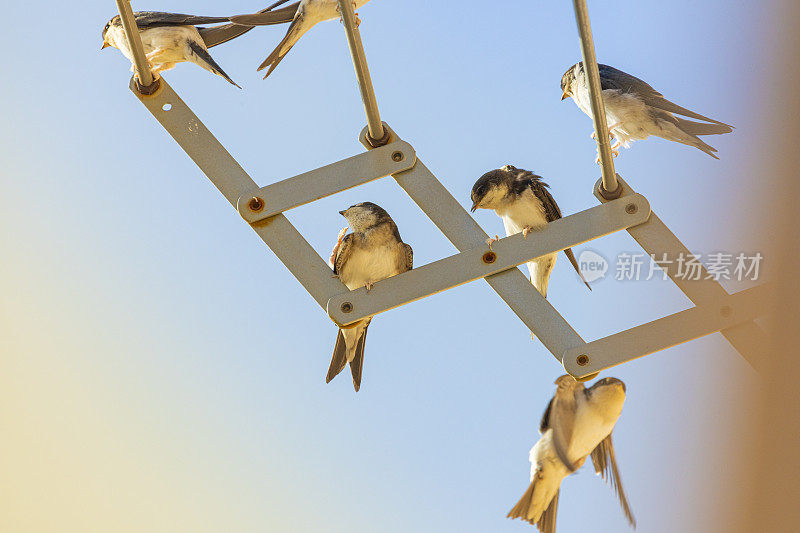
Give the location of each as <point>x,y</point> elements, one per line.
<point>326,181</point>
<point>461,229</point>
<point>135,42</point>
<point>374,124</point>
<point>666,332</point>
<point>232,181</point>
<point>472,264</point>
<point>609,180</point>
<point>656,239</point>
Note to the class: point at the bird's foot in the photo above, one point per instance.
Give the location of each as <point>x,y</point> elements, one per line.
<point>491,241</point>
<point>339,239</point>
<point>525,231</point>
<point>593,135</point>
<point>368,285</point>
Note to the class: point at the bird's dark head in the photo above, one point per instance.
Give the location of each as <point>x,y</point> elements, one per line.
<point>608,394</point>
<point>494,187</point>
<point>568,81</point>
<point>365,215</point>
<point>114,21</point>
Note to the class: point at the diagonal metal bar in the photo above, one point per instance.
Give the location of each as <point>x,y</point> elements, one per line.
<point>474,264</point>
<point>233,182</point>
<point>377,134</point>
<point>135,43</point>
<point>609,187</point>
<point>656,239</point>
<point>331,179</point>
<point>684,326</point>
<point>461,229</point>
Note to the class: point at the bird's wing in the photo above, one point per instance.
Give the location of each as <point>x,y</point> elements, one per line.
<point>544,425</point>
<point>531,181</point>
<point>268,18</point>
<point>203,54</point>
<point>562,421</point>
<point>605,464</point>
<point>612,78</point>
<point>223,34</point>
<point>409,257</point>
<point>551,210</point>
<point>155,19</point>
<point>342,254</point>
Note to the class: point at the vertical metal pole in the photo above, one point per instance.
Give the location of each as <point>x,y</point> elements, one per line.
<point>610,187</point>
<point>135,43</point>
<point>374,124</point>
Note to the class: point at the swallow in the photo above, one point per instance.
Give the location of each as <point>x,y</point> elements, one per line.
<point>302,16</point>
<point>577,423</point>
<point>635,111</point>
<point>522,200</point>
<point>372,252</point>
<point>168,39</point>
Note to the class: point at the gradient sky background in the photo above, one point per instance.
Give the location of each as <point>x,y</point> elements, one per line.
<point>161,371</point>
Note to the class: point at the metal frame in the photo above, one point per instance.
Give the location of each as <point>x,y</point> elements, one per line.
<point>388,155</point>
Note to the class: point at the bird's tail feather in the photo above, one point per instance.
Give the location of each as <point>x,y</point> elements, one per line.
<point>289,40</point>
<point>339,359</point>
<point>520,510</point>
<point>210,64</point>
<point>700,128</point>
<point>571,257</point>
<point>546,523</point>
<point>357,364</point>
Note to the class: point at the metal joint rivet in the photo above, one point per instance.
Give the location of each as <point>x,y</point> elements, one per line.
<point>631,209</point>
<point>256,204</point>
<point>397,157</point>
<point>347,307</point>
<point>489,258</point>
<point>583,360</point>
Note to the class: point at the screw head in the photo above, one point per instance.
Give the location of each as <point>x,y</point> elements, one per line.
<point>256,204</point>
<point>726,311</point>
<point>398,156</point>
<point>582,360</point>
<point>347,307</point>
<point>631,209</point>
<point>489,258</point>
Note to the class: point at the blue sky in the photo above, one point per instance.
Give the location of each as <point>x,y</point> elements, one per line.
<point>163,371</point>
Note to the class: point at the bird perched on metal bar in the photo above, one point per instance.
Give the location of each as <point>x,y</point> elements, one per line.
<point>302,15</point>
<point>168,39</point>
<point>577,423</point>
<point>634,110</point>
<point>522,200</point>
<point>374,251</point>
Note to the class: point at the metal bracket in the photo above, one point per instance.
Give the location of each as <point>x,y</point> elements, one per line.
<point>715,310</point>
<point>734,310</point>
<point>263,209</point>
<point>480,262</point>
<point>323,182</point>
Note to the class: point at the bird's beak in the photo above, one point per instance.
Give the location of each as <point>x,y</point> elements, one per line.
<point>474,207</point>
<point>564,96</point>
<point>105,45</point>
<point>342,212</point>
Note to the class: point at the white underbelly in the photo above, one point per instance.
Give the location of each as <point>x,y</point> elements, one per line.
<point>369,267</point>
<point>521,214</point>
<point>590,430</point>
